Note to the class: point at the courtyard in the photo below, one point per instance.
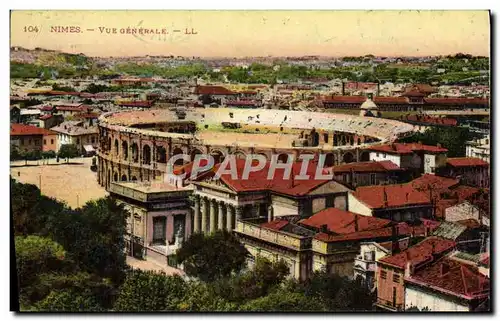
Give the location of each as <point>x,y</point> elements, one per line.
<point>73,183</point>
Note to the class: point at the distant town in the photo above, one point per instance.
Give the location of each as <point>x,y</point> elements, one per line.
<point>106,182</point>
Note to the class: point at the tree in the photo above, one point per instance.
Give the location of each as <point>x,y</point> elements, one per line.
<point>36,255</point>
<point>150,291</point>
<point>254,283</point>
<point>338,293</point>
<point>200,297</point>
<point>284,301</point>
<point>68,301</point>
<point>210,257</point>
<point>68,151</point>
<point>451,138</point>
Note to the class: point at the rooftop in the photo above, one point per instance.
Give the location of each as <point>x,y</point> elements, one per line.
<point>25,130</point>
<point>369,167</point>
<point>407,148</point>
<point>384,196</point>
<point>466,162</point>
<point>420,253</point>
<point>452,277</point>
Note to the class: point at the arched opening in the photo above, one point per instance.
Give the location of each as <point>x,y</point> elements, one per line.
<point>146,154</point>
<point>335,140</point>
<point>351,140</point>
<point>359,141</point>
<point>325,137</point>
<point>116,147</point>
<point>124,178</point>
<point>348,157</point>
<point>195,152</point>
<point>135,153</point>
<point>329,160</point>
<point>115,177</point>
<point>218,156</point>
<point>282,158</point>
<point>178,151</point>
<point>109,177</point>
<point>134,178</point>
<point>125,150</point>
<point>364,156</point>
<point>161,154</point>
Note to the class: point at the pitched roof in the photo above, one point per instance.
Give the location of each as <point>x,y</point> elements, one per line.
<point>384,196</point>
<point>438,183</point>
<point>370,167</point>
<point>25,130</point>
<point>258,181</point>
<point>344,222</point>
<point>213,90</point>
<point>452,277</point>
<point>449,230</point>
<point>419,253</point>
<point>407,148</point>
<point>466,162</point>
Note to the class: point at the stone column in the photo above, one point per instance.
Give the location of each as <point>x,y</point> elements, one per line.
<point>203,215</point>
<point>220,220</point>
<point>196,214</point>
<point>229,217</point>
<point>212,217</point>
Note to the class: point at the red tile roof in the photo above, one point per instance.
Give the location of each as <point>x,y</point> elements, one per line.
<point>275,225</point>
<point>401,229</point>
<point>370,167</point>
<point>407,148</point>
<point>345,99</point>
<point>212,90</point>
<point>469,223</point>
<point>466,162</point>
<point>45,117</point>
<point>452,277</point>
<point>258,181</point>
<point>47,108</point>
<point>414,93</point>
<point>384,196</point>
<point>390,100</point>
<point>142,103</point>
<point>437,183</point>
<point>63,93</point>
<point>445,121</point>
<point>419,253</point>
<point>25,130</point>
<point>344,222</point>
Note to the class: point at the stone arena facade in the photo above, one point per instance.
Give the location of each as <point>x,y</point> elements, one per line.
<point>136,145</point>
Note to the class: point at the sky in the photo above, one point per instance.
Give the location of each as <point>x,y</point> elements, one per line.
<point>255,33</point>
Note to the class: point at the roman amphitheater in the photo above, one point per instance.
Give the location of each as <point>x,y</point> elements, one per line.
<point>136,145</point>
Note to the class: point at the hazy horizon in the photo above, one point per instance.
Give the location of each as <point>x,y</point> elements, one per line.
<point>252,34</point>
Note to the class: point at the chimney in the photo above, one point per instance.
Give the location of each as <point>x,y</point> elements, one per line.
<point>323,228</point>
<point>445,268</point>
<point>408,269</point>
<point>270,214</point>
<point>394,242</point>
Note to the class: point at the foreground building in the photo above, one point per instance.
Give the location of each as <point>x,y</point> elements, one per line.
<point>31,138</point>
<point>159,221</point>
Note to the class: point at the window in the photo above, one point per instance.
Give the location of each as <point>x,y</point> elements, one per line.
<point>93,140</point>
<point>378,154</point>
<point>78,141</point>
<point>22,141</point>
<point>52,141</point>
<point>372,179</point>
<point>395,278</point>
<point>383,274</point>
<point>45,142</point>
<point>29,141</point>
<point>159,229</point>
